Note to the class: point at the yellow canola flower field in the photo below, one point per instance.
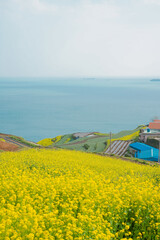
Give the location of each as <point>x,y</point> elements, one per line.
<point>46,142</point>
<point>125,138</point>
<point>130,136</point>
<point>61,194</point>
<point>49,141</point>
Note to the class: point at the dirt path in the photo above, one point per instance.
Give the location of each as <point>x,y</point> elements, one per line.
<point>6,146</point>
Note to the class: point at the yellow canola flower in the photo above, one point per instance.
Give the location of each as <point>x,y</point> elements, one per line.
<point>49,141</point>
<point>130,136</point>
<point>61,194</point>
<point>125,138</point>
<point>3,140</point>
<point>46,142</point>
<point>67,140</point>
<point>57,139</point>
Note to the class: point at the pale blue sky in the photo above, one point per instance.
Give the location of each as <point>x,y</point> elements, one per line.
<point>79,38</point>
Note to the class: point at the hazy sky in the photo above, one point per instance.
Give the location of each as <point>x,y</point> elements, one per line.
<point>80,38</point>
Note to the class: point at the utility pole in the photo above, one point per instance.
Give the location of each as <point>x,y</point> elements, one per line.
<point>110,143</point>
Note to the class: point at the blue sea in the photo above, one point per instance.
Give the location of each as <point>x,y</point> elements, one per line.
<point>37,108</point>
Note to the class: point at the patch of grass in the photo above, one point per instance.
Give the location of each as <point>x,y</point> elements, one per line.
<point>22,140</point>
<point>127,132</point>
<point>101,134</point>
<point>65,139</point>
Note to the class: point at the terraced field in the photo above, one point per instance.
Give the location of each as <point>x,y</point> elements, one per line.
<point>94,142</point>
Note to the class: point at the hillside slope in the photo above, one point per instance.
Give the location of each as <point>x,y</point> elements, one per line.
<point>89,142</point>
<point>10,142</point>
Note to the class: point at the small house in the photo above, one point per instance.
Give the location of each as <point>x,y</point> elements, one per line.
<point>152,131</point>
<point>144,151</point>
<point>155,126</point>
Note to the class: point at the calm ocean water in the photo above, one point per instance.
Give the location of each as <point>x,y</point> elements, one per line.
<point>36,108</point>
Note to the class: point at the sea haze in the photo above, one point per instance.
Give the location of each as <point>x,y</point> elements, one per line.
<point>37,108</point>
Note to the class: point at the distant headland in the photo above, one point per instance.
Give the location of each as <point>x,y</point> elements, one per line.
<point>155,80</point>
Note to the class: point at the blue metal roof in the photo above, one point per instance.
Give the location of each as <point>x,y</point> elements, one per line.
<point>144,151</point>
<point>140,146</point>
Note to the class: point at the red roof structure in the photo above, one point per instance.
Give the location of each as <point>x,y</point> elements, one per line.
<point>155,125</point>
<point>156,121</point>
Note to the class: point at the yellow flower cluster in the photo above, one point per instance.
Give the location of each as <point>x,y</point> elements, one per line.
<point>61,194</point>
<point>46,142</point>
<point>130,136</point>
<point>57,139</point>
<point>49,141</point>
<point>3,140</point>
<point>67,140</point>
<point>125,138</point>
